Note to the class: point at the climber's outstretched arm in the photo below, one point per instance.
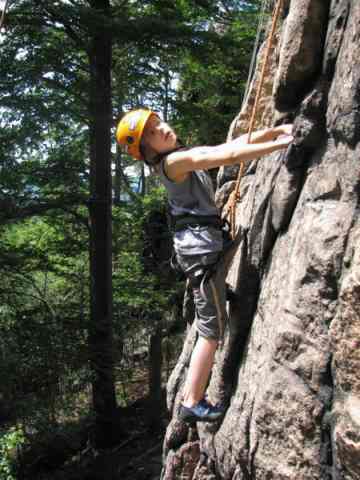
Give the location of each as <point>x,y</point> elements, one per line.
<point>266,134</point>
<point>179,164</point>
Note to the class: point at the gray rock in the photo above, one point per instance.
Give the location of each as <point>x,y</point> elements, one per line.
<point>345,343</point>
<point>301,49</point>
<point>288,370</point>
<point>343,114</point>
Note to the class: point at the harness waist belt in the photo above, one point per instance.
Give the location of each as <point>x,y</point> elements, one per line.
<point>180,222</point>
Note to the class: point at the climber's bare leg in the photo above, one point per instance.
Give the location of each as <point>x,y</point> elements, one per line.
<point>202,360</point>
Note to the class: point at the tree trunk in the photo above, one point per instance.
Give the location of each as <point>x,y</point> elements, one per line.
<point>142,180</point>
<point>166,96</point>
<point>117,177</point>
<point>101,335</point>
<point>155,367</point>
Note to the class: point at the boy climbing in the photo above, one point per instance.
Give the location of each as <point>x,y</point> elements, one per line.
<point>197,225</point>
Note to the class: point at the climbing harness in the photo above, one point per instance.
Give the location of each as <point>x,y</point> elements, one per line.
<point>3,13</point>
<point>201,275</point>
<point>235,195</point>
<point>181,222</point>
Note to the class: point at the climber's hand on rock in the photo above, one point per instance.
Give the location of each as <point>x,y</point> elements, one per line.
<point>286,129</point>
<point>284,141</point>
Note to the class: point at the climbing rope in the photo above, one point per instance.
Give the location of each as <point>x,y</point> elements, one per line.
<point>260,28</point>
<point>2,20</point>
<point>235,195</point>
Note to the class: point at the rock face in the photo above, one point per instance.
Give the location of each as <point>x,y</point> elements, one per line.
<point>289,368</point>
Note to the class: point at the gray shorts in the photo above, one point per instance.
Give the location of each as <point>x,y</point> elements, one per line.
<point>210,300</point>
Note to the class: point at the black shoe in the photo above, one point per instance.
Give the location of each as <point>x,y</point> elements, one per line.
<point>201,412</point>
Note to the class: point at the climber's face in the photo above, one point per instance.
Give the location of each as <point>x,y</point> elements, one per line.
<point>158,135</point>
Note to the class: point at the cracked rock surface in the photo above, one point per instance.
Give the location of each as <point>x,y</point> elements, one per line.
<point>289,368</point>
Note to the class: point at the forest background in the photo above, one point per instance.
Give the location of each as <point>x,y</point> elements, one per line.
<point>90,312</point>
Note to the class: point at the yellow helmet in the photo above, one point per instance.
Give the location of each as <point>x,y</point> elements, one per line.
<point>130,129</point>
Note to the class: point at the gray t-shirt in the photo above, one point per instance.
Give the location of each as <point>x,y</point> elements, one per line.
<point>193,196</point>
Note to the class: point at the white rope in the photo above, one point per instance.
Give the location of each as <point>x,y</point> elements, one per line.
<point>235,195</point>
<point>261,23</point>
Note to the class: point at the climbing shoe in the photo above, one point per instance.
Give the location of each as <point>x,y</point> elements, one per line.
<point>201,412</point>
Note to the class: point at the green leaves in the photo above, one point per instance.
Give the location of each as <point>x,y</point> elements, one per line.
<point>184,58</point>
<point>211,83</point>
<point>135,289</point>
<point>10,442</point>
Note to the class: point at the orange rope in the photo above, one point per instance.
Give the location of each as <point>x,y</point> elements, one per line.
<point>235,196</point>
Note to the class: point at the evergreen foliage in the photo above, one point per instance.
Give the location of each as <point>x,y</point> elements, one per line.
<point>187,59</point>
